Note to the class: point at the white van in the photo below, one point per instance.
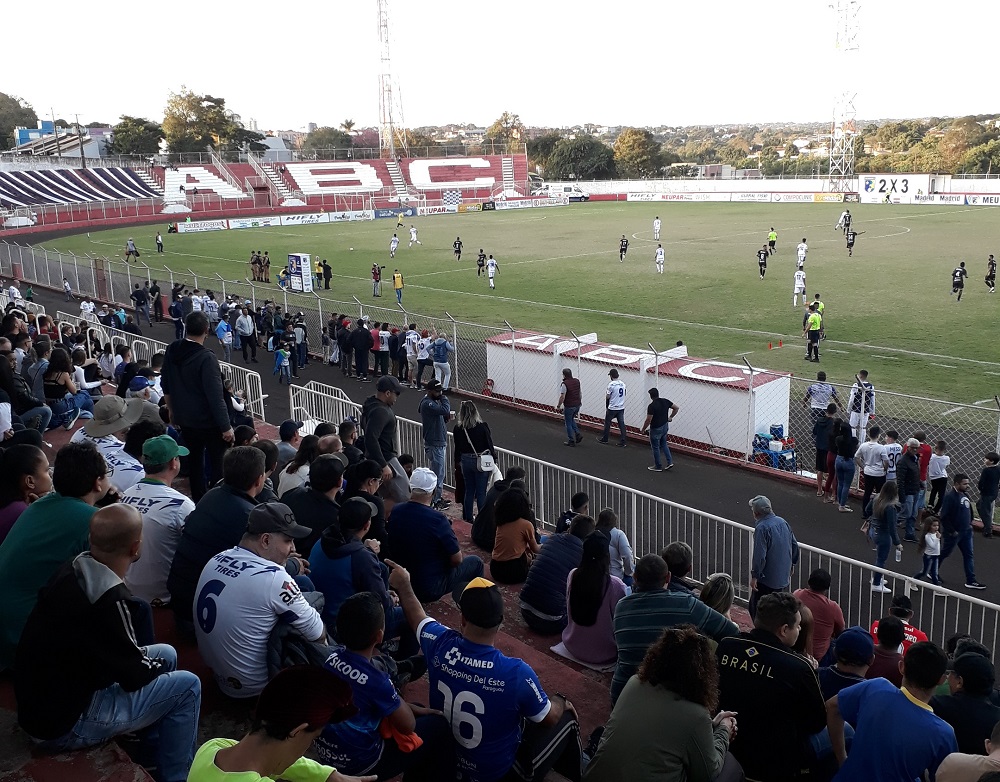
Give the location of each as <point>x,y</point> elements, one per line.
<point>572,192</point>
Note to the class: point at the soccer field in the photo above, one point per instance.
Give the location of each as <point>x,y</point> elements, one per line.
<point>889,308</point>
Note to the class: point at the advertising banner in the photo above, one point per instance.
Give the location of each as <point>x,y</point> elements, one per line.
<point>202,225</point>
<point>982,200</point>
<point>437,210</point>
<point>955,199</point>
<point>300,278</point>
<point>756,198</point>
<point>489,206</point>
<point>470,208</point>
<point>311,218</point>
<point>828,198</point>
<point>349,217</point>
<point>253,222</point>
<point>852,198</point>
<point>405,211</point>
<point>791,198</point>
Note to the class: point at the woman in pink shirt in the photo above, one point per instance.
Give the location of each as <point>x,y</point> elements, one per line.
<point>592,594</point>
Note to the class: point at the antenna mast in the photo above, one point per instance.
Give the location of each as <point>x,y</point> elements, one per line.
<point>391,133</point>
<point>845,128</point>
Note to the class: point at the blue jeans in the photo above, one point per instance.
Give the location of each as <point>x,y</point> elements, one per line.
<point>930,569</point>
<point>170,703</point>
<point>658,442</point>
<point>908,512</point>
<point>475,486</point>
<point>572,430</point>
<point>455,581</point>
<point>845,475</point>
<point>614,415</point>
<point>435,460</point>
<point>303,355</point>
<point>883,545</point>
<point>62,409</point>
<point>37,417</point>
<point>963,540</point>
<point>84,401</point>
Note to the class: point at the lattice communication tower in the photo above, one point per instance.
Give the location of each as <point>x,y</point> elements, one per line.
<point>391,131</point>
<point>845,128</point>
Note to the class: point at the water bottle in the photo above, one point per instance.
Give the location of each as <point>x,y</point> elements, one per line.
<point>899,555</point>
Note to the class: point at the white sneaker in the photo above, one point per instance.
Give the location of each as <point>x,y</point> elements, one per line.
<point>881,588</point>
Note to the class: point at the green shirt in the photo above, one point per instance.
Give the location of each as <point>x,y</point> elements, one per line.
<point>772,237</point>
<point>50,532</point>
<point>814,322</point>
<point>655,735</point>
<point>203,768</point>
<point>820,306</point>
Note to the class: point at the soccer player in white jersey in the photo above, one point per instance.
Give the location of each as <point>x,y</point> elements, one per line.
<point>799,288</point>
<point>492,269</point>
<point>659,258</point>
<point>163,511</point>
<point>844,221</point>
<point>243,594</point>
<point>800,253</point>
<point>413,236</point>
<point>656,228</point>
<point>393,244</point>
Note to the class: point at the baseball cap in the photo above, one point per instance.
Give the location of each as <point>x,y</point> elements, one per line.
<point>613,373</point>
<point>140,383</point>
<point>423,479</point>
<point>288,429</point>
<point>432,385</point>
<point>854,646</point>
<point>482,604</point>
<point>388,383</point>
<point>355,512</point>
<point>976,671</point>
<point>160,450</point>
<point>275,517</point>
<point>760,503</point>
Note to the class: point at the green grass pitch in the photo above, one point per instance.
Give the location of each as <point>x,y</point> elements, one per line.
<point>889,308</point>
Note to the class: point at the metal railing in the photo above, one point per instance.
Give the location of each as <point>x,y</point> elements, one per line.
<point>719,544</point>
<point>144,348</point>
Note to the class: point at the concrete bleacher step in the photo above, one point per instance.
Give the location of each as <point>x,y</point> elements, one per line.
<point>151,182</point>
<point>396,175</point>
<point>279,182</point>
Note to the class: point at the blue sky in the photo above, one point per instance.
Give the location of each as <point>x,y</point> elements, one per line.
<point>635,62</point>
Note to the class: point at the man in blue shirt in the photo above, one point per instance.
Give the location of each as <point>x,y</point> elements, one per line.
<point>775,552</point>
<point>956,528</point>
<point>506,727</point>
<point>421,539</point>
<point>355,746</point>
<point>897,735</point>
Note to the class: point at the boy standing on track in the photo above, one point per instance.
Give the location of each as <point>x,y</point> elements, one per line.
<point>622,249</point>
<point>762,260</point>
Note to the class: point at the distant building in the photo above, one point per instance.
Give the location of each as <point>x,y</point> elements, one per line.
<point>47,139</point>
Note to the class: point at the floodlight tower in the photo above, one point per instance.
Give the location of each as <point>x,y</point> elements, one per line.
<point>390,110</point>
<point>845,129</point>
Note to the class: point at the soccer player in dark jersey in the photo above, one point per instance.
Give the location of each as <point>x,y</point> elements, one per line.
<point>848,219</point>
<point>762,254</point>
<point>622,249</point>
<point>852,237</point>
<point>958,276</point>
<point>480,262</point>
<point>991,274</point>
<point>457,244</point>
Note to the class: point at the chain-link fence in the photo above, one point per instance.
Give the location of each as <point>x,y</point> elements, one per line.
<point>734,411</point>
